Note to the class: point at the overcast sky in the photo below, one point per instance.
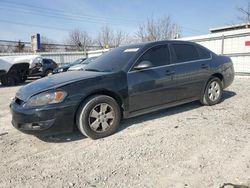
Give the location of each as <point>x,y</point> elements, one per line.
<point>20,19</point>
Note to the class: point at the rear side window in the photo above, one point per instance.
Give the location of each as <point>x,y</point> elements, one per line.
<point>46,61</point>
<point>158,56</point>
<point>184,52</point>
<point>203,53</point>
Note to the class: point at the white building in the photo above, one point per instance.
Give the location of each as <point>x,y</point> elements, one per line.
<point>233,41</point>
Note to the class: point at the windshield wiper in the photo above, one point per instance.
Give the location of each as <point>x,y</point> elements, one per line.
<point>93,70</point>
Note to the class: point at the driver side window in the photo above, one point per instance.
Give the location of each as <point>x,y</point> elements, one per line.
<point>158,56</point>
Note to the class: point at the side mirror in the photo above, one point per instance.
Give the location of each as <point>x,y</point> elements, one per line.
<point>143,65</point>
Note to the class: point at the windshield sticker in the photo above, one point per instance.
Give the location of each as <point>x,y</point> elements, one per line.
<point>131,50</point>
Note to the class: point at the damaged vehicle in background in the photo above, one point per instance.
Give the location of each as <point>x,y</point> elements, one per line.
<point>42,67</point>
<point>125,82</point>
<point>15,70</point>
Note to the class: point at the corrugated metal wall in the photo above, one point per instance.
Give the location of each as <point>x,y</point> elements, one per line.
<point>230,43</point>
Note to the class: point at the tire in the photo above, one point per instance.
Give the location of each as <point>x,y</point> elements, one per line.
<point>98,117</point>
<point>8,80</point>
<point>213,92</point>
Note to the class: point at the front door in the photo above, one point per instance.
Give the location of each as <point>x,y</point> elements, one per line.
<point>153,86</point>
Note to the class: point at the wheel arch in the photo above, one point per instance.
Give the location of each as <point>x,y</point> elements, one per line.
<point>112,94</point>
<point>220,76</point>
<point>23,66</point>
<point>215,75</point>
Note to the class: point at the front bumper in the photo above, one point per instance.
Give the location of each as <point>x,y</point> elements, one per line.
<point>59,70</point>
<point>43,121</point>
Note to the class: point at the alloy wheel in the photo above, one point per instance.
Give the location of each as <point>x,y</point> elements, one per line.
<point>101,117</point>
<point>214,91</point>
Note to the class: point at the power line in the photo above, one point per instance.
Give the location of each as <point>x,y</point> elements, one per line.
<point>61,17</point>
<point>66,14</point>
<point>60,14</point>
<point>34,25</point>
<point>52,44</point>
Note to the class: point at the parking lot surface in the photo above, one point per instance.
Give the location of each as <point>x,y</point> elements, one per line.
<point>186,146</point>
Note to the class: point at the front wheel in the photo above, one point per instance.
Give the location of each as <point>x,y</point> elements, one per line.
<point>98,117</point>
<point>8,80</point>
<point>213,92</point>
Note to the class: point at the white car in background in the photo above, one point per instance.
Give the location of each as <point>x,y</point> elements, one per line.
<point>81,66</point>
<point>15,69</point>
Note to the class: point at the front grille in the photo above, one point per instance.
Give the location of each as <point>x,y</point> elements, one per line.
<point>18,101</point>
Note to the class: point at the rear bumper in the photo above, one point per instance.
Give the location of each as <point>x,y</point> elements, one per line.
<point>228,75</point>
<point>49,121</point>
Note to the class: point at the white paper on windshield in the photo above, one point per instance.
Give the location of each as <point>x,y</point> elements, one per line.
<point>131,50</point>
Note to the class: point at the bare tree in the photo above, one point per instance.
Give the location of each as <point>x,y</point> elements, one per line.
<point>19,47</point>
<point>118,38</point>
<point>105,37</point>
<point>47,45</point>
<point>109,38</point>
<point>80,39</point>
<point>2,49</point>
<point>6,48</point>
<point>160,29</point>
<point>244,12</point>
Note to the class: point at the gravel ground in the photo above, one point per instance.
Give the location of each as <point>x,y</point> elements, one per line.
<point>186,146</point>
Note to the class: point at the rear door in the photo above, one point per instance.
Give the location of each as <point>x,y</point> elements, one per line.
<point>192,69</point>
<point>153,86</point>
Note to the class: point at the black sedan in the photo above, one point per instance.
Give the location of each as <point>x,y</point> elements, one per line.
<point>64,68</point>
<point>125,82</point>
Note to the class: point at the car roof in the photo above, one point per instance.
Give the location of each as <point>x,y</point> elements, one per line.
<point>168,42</point>
<point>146,44</point>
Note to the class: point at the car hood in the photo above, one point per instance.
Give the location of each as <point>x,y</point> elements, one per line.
<point>54,81</point>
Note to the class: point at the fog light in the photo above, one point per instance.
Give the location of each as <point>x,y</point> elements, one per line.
<point>44,124</point>
<point>36,126</point>
<point>25,125</point>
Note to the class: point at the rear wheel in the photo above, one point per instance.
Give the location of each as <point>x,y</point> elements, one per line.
<point>98,117</point>
<point>213,92</point>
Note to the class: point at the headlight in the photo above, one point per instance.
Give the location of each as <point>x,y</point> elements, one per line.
<point>46,98</point>
<point>60,70</point>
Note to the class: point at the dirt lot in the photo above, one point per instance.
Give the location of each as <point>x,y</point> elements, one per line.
<point>186,146</point>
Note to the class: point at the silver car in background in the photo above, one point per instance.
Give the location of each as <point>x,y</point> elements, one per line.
<point>81,66</point>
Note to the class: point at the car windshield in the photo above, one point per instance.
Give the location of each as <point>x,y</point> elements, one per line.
<point>76,62</point>
<point>114,60</point>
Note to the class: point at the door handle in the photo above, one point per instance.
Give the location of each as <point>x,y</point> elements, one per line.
<point>169,72</point>
<point>204,66</point>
